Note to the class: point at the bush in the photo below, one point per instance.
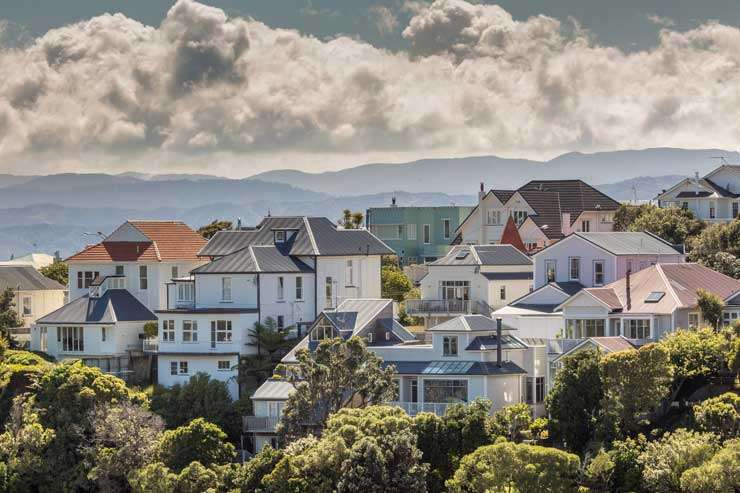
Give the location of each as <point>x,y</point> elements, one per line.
<point>719,474</point>
<point>198,441</point>
<point>720,415</point>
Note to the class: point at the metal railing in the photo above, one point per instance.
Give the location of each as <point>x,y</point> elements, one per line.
<point>151,345</point>
<point>414,307</point>
<point>414,408</point>
<point>260,423</point>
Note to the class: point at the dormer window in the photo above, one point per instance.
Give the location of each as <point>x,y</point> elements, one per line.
<point>280,236</point>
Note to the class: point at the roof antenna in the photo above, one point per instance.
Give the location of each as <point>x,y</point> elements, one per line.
<point>268,212</point>
<point>722,159</point>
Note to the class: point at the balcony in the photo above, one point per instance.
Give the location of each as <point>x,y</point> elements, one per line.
<point>414,408</point>
<point>260,424</point>
<point>151,345</point>
<point>449,307</point>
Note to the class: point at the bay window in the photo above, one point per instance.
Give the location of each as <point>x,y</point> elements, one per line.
<point>636,328</point>
<point>445,391</point>
<point>582,328</point>
<point>71,338</point>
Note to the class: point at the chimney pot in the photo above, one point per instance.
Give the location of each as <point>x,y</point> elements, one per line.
<point>481,186</point>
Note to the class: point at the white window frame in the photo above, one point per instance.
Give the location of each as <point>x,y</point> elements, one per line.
<point>698,320</point>
<point>281,288</point>
<point>493,217</point>
<point>586,226</point>
<point>502,292</point>
<point>712,210</point>
<point>627,327</point>
<point>103,333</point>
<point>120,270</point>
<point>143,277</point>
<point>735,209</point>
<point>183,368</point>
<point>185,291</point>
<point>168,331</point>
<point>71,339</point>
<point>189,331</point>
<point>349,273</point>
<point>519,217</point>
<point>44,338</point>
<point>226,290</point>
<point>280,236</point>
<point>427,234</point>
<point>448,344</point>
<point>299,288</point>
<point>220,366</point>
<point>554,263</point>
<point>175,271</point>
<point>222,331</point>
<point>27,306</point>
<point>446,228</point>
<point>578,268</point>
<point>174,366</point>
<point>411,231</point>
<point>603,274</point>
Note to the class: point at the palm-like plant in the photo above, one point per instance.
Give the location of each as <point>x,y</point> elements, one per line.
<point>270,343</point>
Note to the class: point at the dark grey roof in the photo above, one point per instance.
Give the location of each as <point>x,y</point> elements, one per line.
<point>307,236</point>
<point>209,310</point>
<point>468,323</point>
<point>569,287</point>
<point>536,307</point>
<point>630,243</point>
<point>488,343</point>
<point>116,305</point>
<point>685,195</point>
<point>484,255</point>
<point>721,191</point>
<point>454,367</point>
<point>25,278</point>
<point>507,276</point>
<point>254,259</point>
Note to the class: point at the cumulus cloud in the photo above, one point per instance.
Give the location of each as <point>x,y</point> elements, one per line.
<point>385,20</point>
<point>203,87</point>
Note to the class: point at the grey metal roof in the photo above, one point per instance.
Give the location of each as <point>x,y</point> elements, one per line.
<point>307,236</point>
<point>273,390</point>
<point>630,243</point>
<point>454,367</point>
<point>356,314</point>
<point>508,276</point>
<point>484,255</point>
<point>254,259</point>
<point>25,278</point>
<point>468,323</point>
<point>116,305</point>
<point>488,343</point>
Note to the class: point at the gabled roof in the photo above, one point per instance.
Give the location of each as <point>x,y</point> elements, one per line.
<point>511,236</point>
<point>607,345</point>
<point>484,255</point>
<point>307,236</point>
<point>469,323</point>
<point>273,390</point>
<point>630,243</point>
<point>490,343</point>
<point>254,259</point>
<point>153,241</point>
<point>116,305</point>
<point>25,278</point>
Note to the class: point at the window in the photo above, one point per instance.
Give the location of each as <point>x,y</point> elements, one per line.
<point>349,273</point>
<point>224,365</point>
<point>88,276</point>
<point>598,272</point>
<point>103,333</point>
<point>445,390</point>
<point>684,205</point>
<point>174,272</point>
<point>189,331</point>
<point>71,338</point>
<point>225,289</point>
<point>79,280</point>
<point>637,328</point>
<point>414,390</point>
<point>280,288</point>
<point>27,308</point>
<point>323,330</point>
<point>44,339</point>
<point>220,331</point>
<point>446,227</point>
<point>329,290</point>
<point>183,367</point>
<point>119,270</point>
<point>735,209</point>
<point>279,236</point>
<point>575,268</point>
<point>551,269</point>
<point>629,266</point>
<point>370,337</point>
<point>586,226</point>
<point>299,288</point>
<point>493,217</point>
<point>539,389</point>
<point>185,291</point>
<point>502,292</point>
<point>712,210</point>
<point>582,328</point>
<point>427,234</point>
<point>449,346</point>
<point>143,281</point>
<point>519,217</point>
<point>173,367</point>
<point>455,290</point>
<point>411,231</point>
<point>728,318</point>
<point>280,322</point>
<point>168,331</point>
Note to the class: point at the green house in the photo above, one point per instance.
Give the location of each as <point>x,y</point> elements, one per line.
<point>416,234</point>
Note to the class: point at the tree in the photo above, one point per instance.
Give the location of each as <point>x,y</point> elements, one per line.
<point>634,383</point>
<point>210,229</point>
<point>153,478</point>
<point>599,472</point>
<point>508,466</point>
<point>351,220</point>
<point>625,455</point>
<point>666,459</point>
<point>8,314</point>
<point>200,397</point>
<point>124,439</point>
<point>199,441</point>
<point>575,399</point>
<point>672,224</point>
<point>58,271</point>
<point>248,477</point>
<point>719,415</point>
<point>711,307</point>
<point>717,246</point>
<point>720,474</point>
<point>627,214</point>
<point>395,283</point>
<point>338,374</point>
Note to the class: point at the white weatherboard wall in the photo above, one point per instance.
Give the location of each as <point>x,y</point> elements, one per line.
<point>292,309</point>
<point>366,278</point>
<point>573,247</point>
<point>120,337</point>
<point>43,302</point>
<point>208,291</point>
<point>241,323</point>
<point>196,364</point>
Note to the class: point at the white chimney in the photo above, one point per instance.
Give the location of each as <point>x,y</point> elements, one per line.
<point>565,224</point>
<point>482,214</point>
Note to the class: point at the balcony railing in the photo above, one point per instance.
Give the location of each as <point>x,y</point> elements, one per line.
<point>418,307</point>
<point>151,345</point>
<point>260,424</point>
<point>414,408</point>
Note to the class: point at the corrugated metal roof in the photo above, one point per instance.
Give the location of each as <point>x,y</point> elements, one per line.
<point>508,276</point>
<point>484,255</point>
<point>254,259</point>
<point>273,390</point>
<point>116,305</point>
<point>25,278</point>
<point>630,243</point>
<point>469,323</point>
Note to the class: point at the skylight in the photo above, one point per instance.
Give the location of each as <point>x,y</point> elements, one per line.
<point>448,367</point>
<point>654,297</point>
<point>461,254</point>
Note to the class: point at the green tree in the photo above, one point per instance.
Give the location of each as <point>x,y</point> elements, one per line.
<point>270,344</point>
<point>625,455</point>
<point>635,383</point>
<point>672,224</point>
<point>720,474</point>
<point>248,477</point>
<point>720,415</point>
<point>718,247</point>
<point>8,314</point>
<point>711,307</point>
<point>153,478</point>
<point>395,284</point>
<point>351,220</point>
<point>199,441</point>
<point>599,472</point>
<point>210,229</point>
<point>508,467</point>
<point>337,374</point>
<point>575,399</point>
<point>512,422</point>
<point>58,271</point>
<point>195,478</point>
<point>627,214</point>
<point>666,459</point>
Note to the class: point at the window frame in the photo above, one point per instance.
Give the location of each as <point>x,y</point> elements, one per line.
<point>226,289</point>
<point>411,231</point>
<point>143,278</point>
<point>578,268</point>
<point>281,288</point>
<point>168,331</point>
<point>183,368</point>
<point>446,228</point>
<point>349,273</point>
<point>427,234</point>
<point>219,366</point>
<point>627,327</point>
<point>187,288</point>
<point>502,292</point>
<point>554,263</point>
<point>299,288</point>
<point>71,338</point>
<point>602,263</point>
<point>450,348</point>
<point>27,311</point>
<point>222,332</point>
<point>189,329</point>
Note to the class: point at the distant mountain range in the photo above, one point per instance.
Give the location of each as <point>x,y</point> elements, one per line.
<point>49,213</point>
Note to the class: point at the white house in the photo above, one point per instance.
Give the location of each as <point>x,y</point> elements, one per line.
<point>34,296</point>
<point>544,211</point>
<point>287,269</point>
<point>713,198</point>
<point>466,358</point>
<point>472,279</point>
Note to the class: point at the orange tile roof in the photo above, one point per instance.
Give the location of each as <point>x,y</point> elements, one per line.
<point>171,240</point>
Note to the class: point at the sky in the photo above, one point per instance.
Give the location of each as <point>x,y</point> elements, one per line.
<point>234,87</point>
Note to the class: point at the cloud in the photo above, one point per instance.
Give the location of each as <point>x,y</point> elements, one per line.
<point>661,21</point>
<point>111,92</point>
<point>385,20</point>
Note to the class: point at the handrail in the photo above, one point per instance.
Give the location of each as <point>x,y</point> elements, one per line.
<point>437,306</point>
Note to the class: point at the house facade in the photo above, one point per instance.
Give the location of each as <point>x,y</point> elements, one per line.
<point>287,269</point>
<point>712,198</point>
<point>472,279</point>
<point>545,211</point>
<point>467,357</point>
<point>416,234</point>
<point>34,296</point>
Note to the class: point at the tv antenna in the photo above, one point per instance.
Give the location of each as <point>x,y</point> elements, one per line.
<point>722,159</point>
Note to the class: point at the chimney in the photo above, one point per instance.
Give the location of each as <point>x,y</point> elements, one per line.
<point>498,342</point>
<point>481,192</point>
<point>238,223</point>
<point>628,289</point>
<point>482,215</point>
<point>393,201</point>
<point>565,224</point>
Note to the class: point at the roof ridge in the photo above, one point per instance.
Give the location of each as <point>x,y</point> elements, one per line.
<point>131,222</point>
<point>668,283</point>
<point>475,254</point>
<point>254,258</point>
<point>309,232</point>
